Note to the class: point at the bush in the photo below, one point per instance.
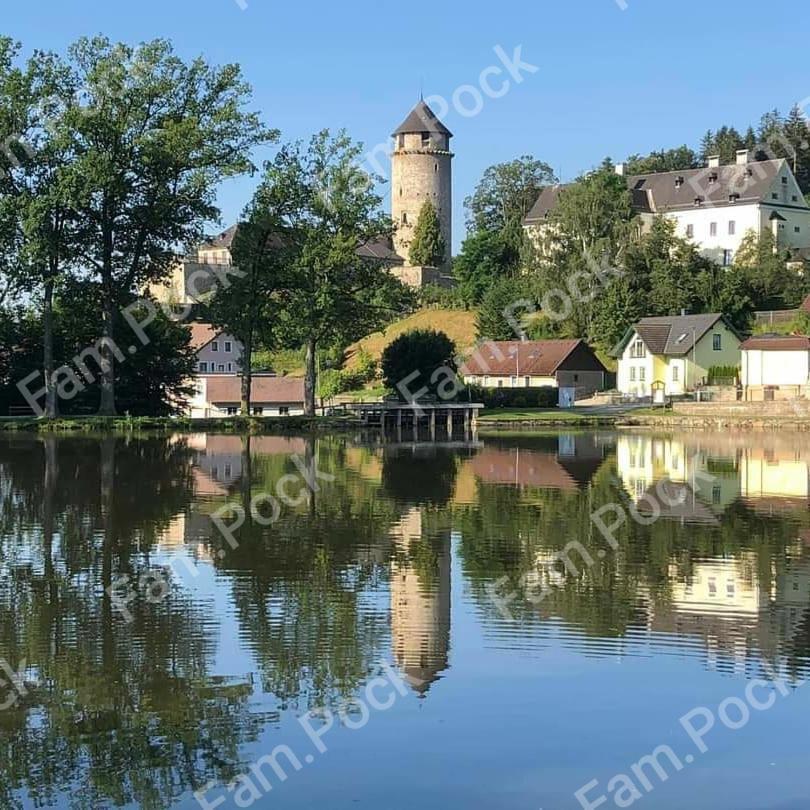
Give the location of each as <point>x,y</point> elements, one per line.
<point>544,397</point>
<point>723,375</point>
<point>415,356</point>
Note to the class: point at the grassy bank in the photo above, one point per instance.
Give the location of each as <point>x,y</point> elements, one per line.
<point>515,417</point>
<point>124,424</point>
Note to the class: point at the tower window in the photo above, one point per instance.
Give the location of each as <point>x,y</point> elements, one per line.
<point>435,167</point>
<point>401,141</point>
<point>404,218</point>
<point>425,140</point>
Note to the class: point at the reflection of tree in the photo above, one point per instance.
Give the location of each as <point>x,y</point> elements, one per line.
<point>423,476</point>
<point>128,712</point>
<point>300,584</point>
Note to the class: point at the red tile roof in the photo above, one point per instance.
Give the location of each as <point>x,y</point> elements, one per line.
<point>227,389</point>
<point>778,343</point>
<point>202,334</point>
<point>539,358</point>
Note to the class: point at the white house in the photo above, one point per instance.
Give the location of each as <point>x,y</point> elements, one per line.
<point>775,366</point>
<point>675,352</point>
<point>715,207</point>
<point>220,395</point>
<point>217,352</point>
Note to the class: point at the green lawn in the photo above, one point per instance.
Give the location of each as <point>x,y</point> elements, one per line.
<point>541,416</point>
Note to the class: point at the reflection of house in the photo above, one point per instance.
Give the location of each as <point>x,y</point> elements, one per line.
<point>270,396</point>
<point>682,480</point>
<point>775,478</point>
<point>677,351</point>
<point>420,602</point>
<point>534,364</point>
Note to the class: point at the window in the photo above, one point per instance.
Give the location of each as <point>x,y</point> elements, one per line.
<point>258,411</point>
<point>795,198</point>
<point>638,350</point>
<point>774,196</point>
<point>203,367</point>
<point>215,346</point>
<point>230,367</point>
<point>500,383</point>
<point>690,231</point>
<point>576,377</point>
<point>712,586</point>
<point>435,167</point>
<point>227,471</point>
<point>221,368</point>
<point>425,140</point>
<point>632,373</point>
<point>713,229</point>
<point>676,373</point>
<point>513,382</point>
<point>784,181</point>
<point>732,228</point>
<point>797,229</point>
<point>228,347</point>
<point>717,343</point>
<point>283,411</point>
<point>642,373</point>
<point>716,494</point>
<point>231,410</point>
<point>528,381</point>
<point>404,218</point>
<point>727,258</point>
<point>401,141</point>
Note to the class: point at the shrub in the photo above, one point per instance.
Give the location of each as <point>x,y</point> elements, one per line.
<point>723,375</point>
<point>543,397</point>
<point>415,356</point>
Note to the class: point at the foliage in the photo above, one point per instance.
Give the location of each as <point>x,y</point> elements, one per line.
<point>722,374</point>
<point>414,357</point>
<point>542,397</point>
<point>432,295</point>
<point>485,257</point>
<point>334,295</point>
<point>664,160</point>
<point>428,247</point>
<point>500,307</point>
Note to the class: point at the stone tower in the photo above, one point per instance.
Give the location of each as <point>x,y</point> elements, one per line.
<point>421,170</point>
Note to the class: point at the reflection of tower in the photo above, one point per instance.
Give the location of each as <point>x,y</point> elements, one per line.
<point>420,173</point>
<point>420,602</point>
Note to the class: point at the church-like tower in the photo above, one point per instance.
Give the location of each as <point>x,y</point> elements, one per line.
<point>421,170</point>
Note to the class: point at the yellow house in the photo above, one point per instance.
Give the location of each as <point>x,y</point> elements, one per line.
<point>675,352</point>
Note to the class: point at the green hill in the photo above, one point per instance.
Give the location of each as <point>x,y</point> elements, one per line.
<point>458,325</point>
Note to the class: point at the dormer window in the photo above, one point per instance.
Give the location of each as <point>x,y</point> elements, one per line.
<point>713,178</point>
<point>425,140</point>
<point>698,200</point>
<point>733,197</point>
<point>678,182</point>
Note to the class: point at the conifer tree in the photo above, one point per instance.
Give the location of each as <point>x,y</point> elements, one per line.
<point>428,247</point>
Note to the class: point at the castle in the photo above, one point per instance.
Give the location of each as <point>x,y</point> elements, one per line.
<point>421,171</point>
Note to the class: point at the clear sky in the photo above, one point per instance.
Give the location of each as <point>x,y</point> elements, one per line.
<point>610,81</point>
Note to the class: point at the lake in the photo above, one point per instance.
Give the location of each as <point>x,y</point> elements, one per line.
<point>561,620</point>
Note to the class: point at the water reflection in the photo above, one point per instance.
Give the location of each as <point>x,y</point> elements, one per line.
<point>393,559</point>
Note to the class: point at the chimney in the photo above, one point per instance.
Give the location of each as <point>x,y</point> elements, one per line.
<point>714,161</point>
<point>743,157</point>
<point>620,169</point>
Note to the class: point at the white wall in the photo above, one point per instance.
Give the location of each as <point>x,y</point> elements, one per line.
<point>635,375</point>
<point>775,368</point>
<point>220,357</point>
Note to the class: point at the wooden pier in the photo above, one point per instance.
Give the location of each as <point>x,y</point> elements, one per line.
<point>432,419</point>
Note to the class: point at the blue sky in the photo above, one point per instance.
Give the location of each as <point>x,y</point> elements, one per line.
<point>610,81</point>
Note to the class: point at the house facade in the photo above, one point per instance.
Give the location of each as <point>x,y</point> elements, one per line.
<point>775,367</point>
<point>675,352</point>
<point>217,352</point>
<point>714,207</point>
<point>220,395</point>
<point>535,364</point>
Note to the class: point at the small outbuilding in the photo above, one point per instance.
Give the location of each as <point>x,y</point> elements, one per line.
<point>218,396</point>
<point>775,367</point>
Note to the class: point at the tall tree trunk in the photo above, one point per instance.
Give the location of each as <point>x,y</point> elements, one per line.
<point>247,373</point>
<point>51,402</point>
<point>310,378</point>
<point>107,403</point>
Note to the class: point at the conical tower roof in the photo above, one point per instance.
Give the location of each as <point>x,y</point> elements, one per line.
<point>422,119</point>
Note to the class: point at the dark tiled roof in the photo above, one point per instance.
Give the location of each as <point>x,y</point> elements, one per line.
<point>545,202</point>
<point>422,119</point>
<point>538,358</point>
<point>778,343</point>
<point>202,334</point>
<point>381,249</point>
<point>674,334</point>
<point>677,191</point>
<point>224,239</point>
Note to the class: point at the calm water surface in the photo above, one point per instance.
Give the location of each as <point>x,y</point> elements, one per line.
<point>137,692</point>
